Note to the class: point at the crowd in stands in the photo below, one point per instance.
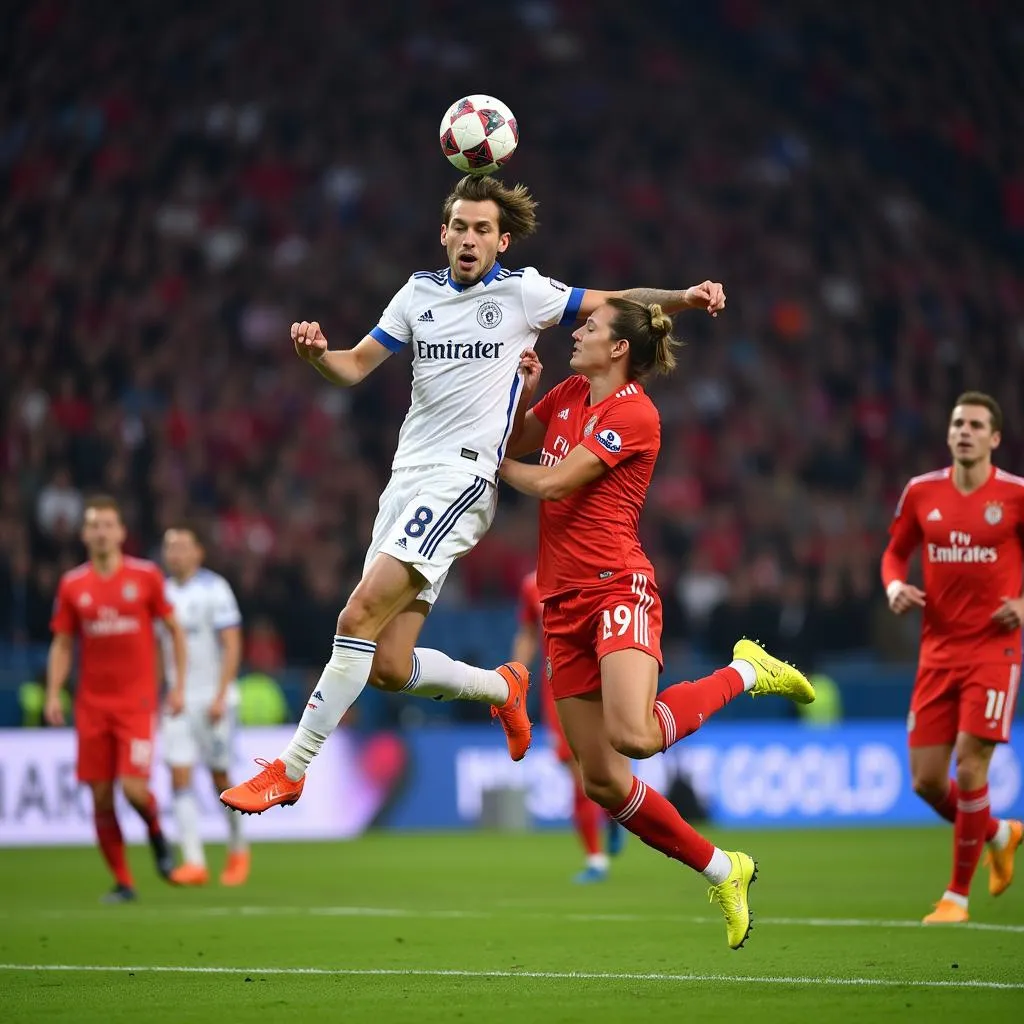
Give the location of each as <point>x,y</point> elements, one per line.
<point>180,182</point>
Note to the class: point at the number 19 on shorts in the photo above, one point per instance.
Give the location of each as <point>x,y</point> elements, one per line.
<point>616,621</point>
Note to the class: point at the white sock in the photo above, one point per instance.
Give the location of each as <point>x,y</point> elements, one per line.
<point>955,897</point>
<point>598,861</point>
<point>436,675</point>
<point>341,682</point>
<point>236,841</point>
<point>1002,836</point>
<point>747,673</point>
<point>720,866</point>
<point>186,814</point>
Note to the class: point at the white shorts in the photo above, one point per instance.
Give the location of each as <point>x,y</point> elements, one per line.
<point>191,738</point>
<point>428,517</point>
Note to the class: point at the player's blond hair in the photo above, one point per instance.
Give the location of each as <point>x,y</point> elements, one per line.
<point>648,329</point>
<point>517,209</point>
<point>986,402</point>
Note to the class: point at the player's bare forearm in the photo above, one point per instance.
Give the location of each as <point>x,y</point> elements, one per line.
<point>552,483</point>
<point>231,657</point>
<point>340,367</point>
<point>670,301</point>
<point>525,644</point>
<point>58,664</point>
<point>179,654</point>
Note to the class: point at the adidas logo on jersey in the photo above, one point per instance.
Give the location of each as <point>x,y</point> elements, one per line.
<point>401,543</point>
<point>935,516</point>
<point>426,318</point>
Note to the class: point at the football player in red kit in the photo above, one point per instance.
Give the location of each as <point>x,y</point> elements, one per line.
<point>599,436</point>
<point>968,520</point>
<point>109,605</point>
<point>586,815</point>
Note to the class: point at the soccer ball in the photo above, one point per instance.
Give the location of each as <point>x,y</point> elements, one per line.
<point>479,134</point>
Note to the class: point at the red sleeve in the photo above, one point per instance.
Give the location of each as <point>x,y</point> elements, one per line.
<point>624,429</point>
<point>542,409</point>
<point>904,536</point>
<point>159,606</point>
<point>64,618</point>
<point>529,601</point>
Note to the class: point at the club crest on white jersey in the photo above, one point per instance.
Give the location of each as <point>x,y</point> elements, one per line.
<point>465,343</point>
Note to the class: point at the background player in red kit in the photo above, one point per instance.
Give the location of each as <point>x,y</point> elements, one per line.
<point>586,815</point>
<point>599,436</point>
<point>968,520</point>
<point>110,604</point>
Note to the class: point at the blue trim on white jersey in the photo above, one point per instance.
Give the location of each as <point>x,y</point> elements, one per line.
<point>439,277</point>
<point>517,380</point>
<point>572,307</point>
<point>394,344</point>
<point>485,280</point>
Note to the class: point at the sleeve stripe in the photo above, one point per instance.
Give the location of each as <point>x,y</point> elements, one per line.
<point>394,344</point>
<point>572,307</point>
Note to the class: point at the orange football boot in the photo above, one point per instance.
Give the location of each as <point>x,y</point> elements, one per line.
<point>1000,862</point>
<point>265,790</point>
<point>189,874</point>
<point>512,714</point>
<point>236,871</point>
<point>947,912</point>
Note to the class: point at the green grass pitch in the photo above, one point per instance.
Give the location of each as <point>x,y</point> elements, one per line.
<point>488,927</point>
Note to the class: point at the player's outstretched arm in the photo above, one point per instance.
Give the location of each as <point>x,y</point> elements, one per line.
<point>708,295</point>
<point>343,367</point>
<point>552,483</point>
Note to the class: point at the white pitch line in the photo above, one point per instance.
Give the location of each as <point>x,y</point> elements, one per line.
<point>355,972</point>
<point>407,913</point>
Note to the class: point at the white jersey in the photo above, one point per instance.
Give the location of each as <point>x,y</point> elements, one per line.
<point>204,605</point>
<point>465,343</point>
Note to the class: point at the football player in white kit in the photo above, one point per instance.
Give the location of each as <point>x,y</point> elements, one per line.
<point>465,327</point>
<point>205,605</point>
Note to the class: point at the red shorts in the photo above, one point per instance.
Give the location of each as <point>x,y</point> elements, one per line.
<point>582,626</point>
<point>976,699</point>
<point>113,743</point>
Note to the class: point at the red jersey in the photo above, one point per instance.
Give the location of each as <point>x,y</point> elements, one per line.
<point>113,618</point>
<point>592,534</point>
<point>530,605</point>
<point>972,556</point>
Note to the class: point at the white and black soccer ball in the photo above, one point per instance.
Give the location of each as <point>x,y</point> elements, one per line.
<point>479,134</point>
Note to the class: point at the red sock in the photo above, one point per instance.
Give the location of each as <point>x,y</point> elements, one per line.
<point>972,815</point>
<point>150,814</point>
<point>685,707</point>
<point>586,816</point>
<point>108,832</point>
<point>650,816</point>
<point>947,809</point>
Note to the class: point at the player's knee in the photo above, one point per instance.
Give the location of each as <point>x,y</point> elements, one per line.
<point>971,772</point>
<point>633,741</point>
<point>389,672</point>
<point>929,788</point>
<point>103,799</point>
<point>604,789</point>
